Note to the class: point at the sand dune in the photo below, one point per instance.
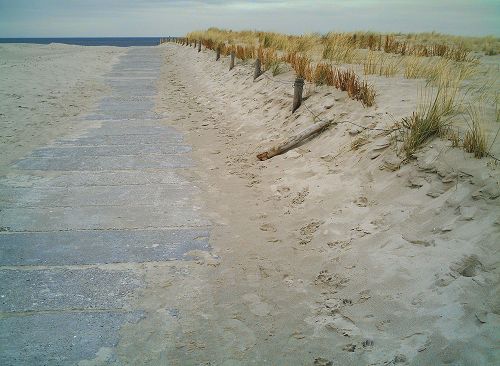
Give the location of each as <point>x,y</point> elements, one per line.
<point>334,251</point>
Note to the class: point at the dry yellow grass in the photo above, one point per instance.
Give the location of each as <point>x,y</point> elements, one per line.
<point>339,48</point>
<point>379,63</point>
<point>475,140</point>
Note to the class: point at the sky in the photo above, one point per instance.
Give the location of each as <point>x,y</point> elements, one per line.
<point>112,18</point>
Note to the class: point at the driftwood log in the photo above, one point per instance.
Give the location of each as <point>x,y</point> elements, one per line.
<point>294,140</point>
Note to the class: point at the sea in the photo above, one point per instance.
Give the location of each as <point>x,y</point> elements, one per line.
<point>102,41</point>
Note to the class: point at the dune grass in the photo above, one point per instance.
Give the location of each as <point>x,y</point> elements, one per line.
<point>378,63</point>
<point>432,117</point>
<point>475,140</point>
<point>443,61</point>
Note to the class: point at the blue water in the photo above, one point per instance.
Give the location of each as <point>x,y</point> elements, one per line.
<point>104,41</point>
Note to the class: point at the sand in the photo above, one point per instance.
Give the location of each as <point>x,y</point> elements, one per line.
<point>328,254</point>
<point>42,88</point>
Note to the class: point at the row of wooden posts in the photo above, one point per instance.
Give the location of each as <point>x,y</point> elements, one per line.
<point>298,85</point>
<point>291,142</point>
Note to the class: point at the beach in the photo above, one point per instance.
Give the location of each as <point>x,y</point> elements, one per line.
<point>43,87</point>
<point>336,252</point>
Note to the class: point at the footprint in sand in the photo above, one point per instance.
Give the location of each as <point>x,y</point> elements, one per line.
<point>349,347</point>
<point>368,343</point>
<point>308,231</point>
<point>469,266</point>
<point>361,201</point>
<point>300,197</point>
<point>343,325</point>
<point>320,361</point>
<point>268,227</point>
<point>360,231</point>
<point>283,192</point>
<point>342,244</point>
<point>330,281</point>
<point>311,228</point>
<point>416,342</point>
<point>418,240</point>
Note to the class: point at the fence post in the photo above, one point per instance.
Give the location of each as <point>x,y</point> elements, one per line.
<point>199,45</point>
<point>231,65</point>
<point>256,71</point>
<point>217,57</point>
<point>195,43</point>
<point>297,93</point>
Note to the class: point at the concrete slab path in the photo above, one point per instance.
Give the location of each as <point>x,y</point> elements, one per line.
<point>77,216</point>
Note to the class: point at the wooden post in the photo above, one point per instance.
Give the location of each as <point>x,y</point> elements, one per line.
<point>231,65</point>
<point>199,45</point>
<point>217,57</point>
<point>297,93</point>
<point>256,71</point>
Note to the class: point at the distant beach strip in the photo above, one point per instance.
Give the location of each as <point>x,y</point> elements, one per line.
<point>102,41</point>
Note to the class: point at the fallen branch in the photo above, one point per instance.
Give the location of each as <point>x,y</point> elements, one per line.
<point>284,146</point>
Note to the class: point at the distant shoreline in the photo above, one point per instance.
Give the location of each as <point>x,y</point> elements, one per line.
<point>88,41</point>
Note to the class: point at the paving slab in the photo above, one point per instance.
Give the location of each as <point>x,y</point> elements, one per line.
<point>66,289</point>
<point>141,87</point>
<point>120,114</point>
<point>129,125</point>
<point>137,129</point>
<point>104,162</point>
<point>100,246</point>
<point>123,139</point>
<point>132,105</point>
<point>110,150</point>
<point>98,218</point>
<point>136,195</point>
<point>93,178</point>
<point>60,339</point>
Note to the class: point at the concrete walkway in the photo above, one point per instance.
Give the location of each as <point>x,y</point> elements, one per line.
<point>77,216</point>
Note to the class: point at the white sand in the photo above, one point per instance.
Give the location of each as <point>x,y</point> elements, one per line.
<point>327,253</point>
<point>42,89</point>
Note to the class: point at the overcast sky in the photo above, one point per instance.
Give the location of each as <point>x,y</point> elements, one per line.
<point>94,18</point>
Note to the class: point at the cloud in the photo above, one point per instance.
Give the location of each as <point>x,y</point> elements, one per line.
<point>176,17</point>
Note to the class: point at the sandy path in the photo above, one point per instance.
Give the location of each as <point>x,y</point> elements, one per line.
<point>326,257</point>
